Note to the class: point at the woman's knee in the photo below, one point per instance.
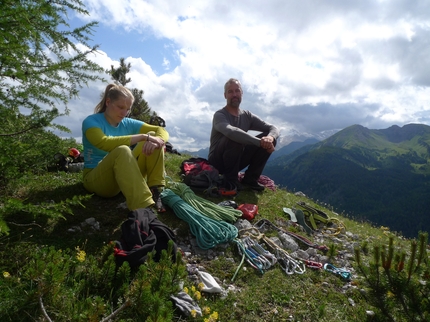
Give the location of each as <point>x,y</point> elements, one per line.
<point>122,151</point>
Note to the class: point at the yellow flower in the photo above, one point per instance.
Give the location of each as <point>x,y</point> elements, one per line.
<point>193,289</point>
<point>214,316</point>
<point>186,289</point>
<point>201,286</point>
<point>193,313</point>
<point>6,274</point>
<point>206,310</point>
<point>80,254</point>
<point>197,295</point>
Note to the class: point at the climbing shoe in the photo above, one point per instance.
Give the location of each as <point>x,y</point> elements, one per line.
<point>157,199</point>
<point>253,185</point>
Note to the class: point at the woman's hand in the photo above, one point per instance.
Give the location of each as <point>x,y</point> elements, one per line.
<point>151,144</point>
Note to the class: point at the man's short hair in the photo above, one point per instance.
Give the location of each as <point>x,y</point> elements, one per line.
<point>232,81</point>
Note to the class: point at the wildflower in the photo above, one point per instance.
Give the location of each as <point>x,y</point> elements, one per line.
<point>214,316</point>
<point>186,289</point>
<point>193,313</point>
<point>80,255</point>
<point>6,274</point>
<point>206,310</point>
<point>197,295</point>
<point>201,286</point>
<point>193,289</point>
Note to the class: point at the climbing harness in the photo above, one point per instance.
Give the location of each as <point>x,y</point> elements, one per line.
<point>333,226</point>
<point>262,222</point>
<point>208,232</point>
<point>346,275</point>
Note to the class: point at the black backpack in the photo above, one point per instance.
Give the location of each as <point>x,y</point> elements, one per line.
<point>200,175</point>
<point>142,233</point>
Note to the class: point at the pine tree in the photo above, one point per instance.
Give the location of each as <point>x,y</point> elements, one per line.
<point>140,109</point>
<point>398,287</point>
<point>42,64</point>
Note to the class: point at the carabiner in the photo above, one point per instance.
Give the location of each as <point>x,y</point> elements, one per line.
<point>346,275</point>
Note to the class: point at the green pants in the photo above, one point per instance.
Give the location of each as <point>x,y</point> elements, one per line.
<point>129,172</point>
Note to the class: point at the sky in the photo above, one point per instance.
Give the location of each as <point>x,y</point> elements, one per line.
<point>310,67</point>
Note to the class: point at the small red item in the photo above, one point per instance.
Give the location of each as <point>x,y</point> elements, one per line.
<point>73,152</point>
<point>249,211</point>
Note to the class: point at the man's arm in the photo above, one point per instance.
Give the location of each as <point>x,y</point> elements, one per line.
<point>221,124</point>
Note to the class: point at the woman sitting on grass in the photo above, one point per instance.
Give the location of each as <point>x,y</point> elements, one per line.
<point>111,165</point>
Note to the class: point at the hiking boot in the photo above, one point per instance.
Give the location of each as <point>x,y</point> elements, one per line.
<point>157,199</point>
<point>253,185</point>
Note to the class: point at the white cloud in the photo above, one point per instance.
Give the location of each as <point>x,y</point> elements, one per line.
<point>307,65</point>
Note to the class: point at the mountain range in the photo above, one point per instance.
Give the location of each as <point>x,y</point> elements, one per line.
<point>381,176</point>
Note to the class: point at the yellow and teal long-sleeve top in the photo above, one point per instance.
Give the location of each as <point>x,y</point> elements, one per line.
<point>99,137</point>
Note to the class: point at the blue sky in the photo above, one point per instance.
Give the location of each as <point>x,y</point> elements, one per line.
<point>310,67</point>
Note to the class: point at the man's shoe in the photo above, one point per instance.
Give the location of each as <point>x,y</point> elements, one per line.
<point>157,199</point>
<point>254,185</point>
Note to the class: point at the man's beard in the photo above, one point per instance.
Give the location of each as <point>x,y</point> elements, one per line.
<point>235,102</point>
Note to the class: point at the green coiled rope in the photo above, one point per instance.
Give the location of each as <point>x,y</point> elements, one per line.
<point>203,205</point>
<point>208,232</point>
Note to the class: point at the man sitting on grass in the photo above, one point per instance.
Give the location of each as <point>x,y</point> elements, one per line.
<point>232,148</point>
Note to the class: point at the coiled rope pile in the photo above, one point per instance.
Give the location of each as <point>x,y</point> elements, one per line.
<point>205,206</point>
<point>208,232</point>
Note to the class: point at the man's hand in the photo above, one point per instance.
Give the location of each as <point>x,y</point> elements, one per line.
<point>266,142</point>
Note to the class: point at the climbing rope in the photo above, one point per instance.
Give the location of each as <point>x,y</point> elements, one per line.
<point>208,232</point>
<point>203,205</point>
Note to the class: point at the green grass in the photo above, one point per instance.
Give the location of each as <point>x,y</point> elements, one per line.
<point>273,296</point>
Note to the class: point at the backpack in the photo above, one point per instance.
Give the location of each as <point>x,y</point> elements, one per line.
<point>156,120</point>
<point>199,174</point>
<point>73,162</point>
<point>142,233</point>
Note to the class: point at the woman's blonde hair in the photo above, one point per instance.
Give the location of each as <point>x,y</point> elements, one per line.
<point>113,92</point>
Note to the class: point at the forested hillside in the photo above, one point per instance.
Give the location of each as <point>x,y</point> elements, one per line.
<point>376,175</point>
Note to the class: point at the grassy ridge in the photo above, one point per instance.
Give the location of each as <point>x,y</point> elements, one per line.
<point>316,295</point>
